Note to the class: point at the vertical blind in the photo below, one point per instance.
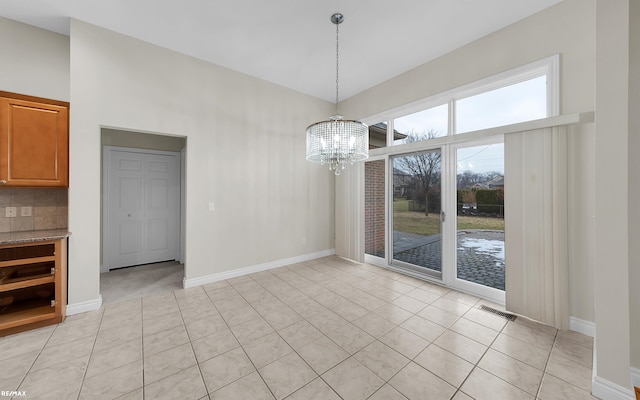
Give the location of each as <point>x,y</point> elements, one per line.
<point>536,215</point>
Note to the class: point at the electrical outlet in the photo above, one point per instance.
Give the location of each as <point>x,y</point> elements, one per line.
<point>212,206</point>
<point>10,212</point>
<point>304,240</point>
<point>25,211</point>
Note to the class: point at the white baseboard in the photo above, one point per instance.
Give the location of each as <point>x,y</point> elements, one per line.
<point>582,326</point>
<point>203,280</point>
<point>84,306</point>
<point>607,390</point>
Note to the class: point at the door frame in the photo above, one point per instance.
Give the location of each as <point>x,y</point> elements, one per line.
<point>450,255</point>
<point>418,270</point>
<point>105,198</point>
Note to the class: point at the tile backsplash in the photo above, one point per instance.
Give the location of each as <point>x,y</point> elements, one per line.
<point>49,208</point>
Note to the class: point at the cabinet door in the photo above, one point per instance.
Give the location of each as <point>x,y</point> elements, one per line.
<point>34,143</point>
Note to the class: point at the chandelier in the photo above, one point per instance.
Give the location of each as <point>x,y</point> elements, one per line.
<point>337,141</point>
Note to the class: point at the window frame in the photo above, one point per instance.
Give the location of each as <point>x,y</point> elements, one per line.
<point>549,66</point>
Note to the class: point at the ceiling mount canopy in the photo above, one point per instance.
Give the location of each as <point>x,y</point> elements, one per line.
<point>337,142</point>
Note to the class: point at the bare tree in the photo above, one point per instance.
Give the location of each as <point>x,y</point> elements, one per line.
<point>424,166</point>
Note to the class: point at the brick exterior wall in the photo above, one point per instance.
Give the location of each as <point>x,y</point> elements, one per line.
<point>374,199</point>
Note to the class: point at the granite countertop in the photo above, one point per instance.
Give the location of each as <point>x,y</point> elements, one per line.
<point>33,236</point>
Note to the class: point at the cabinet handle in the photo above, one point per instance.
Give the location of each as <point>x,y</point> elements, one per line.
<point>53,303</point>
<point>53,271</point>
<point>3,181</point>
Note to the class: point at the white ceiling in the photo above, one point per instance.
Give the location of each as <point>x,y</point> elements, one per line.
<point>292,42</point>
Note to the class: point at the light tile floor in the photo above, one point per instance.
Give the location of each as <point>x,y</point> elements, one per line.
<point>324,329</point>
<point>134,282</point>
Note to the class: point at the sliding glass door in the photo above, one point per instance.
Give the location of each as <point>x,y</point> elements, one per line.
<point>417,204</point>
<point>479,223</point>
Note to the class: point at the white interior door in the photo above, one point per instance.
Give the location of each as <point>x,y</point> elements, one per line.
<point>142,207</point>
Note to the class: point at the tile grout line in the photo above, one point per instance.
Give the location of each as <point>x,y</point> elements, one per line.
<point>36,359</point>
<point>239,344</point>
<point>190,345</point>
<point>430,343</point>
<point>546,363</point>
<point>476,365</point>
<point>292,348</point>
<point>556,377</point>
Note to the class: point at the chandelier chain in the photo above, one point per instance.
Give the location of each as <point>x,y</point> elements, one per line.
<point>337,63</point>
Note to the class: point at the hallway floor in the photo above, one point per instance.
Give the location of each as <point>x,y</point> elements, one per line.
<point>135,282</point>
<point>323,329</point>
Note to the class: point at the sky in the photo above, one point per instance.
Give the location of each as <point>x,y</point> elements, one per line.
<point>523,101</point>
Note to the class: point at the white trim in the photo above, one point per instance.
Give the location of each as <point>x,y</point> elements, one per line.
<point>553,82</point>
<point>543,123</point>
<point>183,204</point>
<point>189,283</point>
<point>605,389</point>
<point>373,260</point>
<point>582,326</point>
<point>84,306</point>
<point>104,268</point>
<point>635,376</point>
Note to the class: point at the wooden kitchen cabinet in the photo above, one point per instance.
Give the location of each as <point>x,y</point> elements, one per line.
<point>34,141</point>
<point>33,285</point>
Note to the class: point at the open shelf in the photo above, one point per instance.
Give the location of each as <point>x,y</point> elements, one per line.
<point>27,314</point>
<point>25,282</point>
<point>26,251</point>
<point>27,261</point>
<point>32,285</point>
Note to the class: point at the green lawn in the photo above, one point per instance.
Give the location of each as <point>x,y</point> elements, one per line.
<point>400,205</point>
<point>416,222</point>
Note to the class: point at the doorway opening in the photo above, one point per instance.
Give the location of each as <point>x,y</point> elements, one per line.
<point>142,243</point>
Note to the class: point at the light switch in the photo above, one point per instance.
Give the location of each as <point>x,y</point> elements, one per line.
<point>212,207</point>
<point>25,211</point>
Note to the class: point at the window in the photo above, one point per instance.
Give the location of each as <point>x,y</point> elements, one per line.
<point>524,94</point>
<point>524,101</point>
<point>378,135</point>
<point>423,125</point>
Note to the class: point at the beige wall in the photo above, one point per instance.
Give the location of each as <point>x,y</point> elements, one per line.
<point>633,182</point>
<point>612,338</point>
<point>567,29</point>
<point>34,61</point>
<point>245,152</point>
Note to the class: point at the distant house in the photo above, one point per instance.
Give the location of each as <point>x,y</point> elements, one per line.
<point>401,182</point>
<point>496,183</point>
<point>477,186</point>
<point>378,135</point>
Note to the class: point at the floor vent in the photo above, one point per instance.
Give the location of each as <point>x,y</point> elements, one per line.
<point>502,314</point>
